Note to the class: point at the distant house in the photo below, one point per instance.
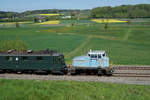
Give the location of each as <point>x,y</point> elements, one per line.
<point>40,21</point>
<point>5,18</point>
<point>66,17</point>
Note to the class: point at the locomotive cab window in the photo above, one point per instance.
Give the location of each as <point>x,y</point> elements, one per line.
<point>92,56</point>
<point>9,58</point>
<point>54,60</point>
<point>60,58</point>
<point>39,58</point>
<point>95,56</point>
<point>99,56</point>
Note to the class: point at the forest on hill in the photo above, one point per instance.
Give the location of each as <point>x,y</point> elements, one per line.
<point>4,14</point>
<point>123,11</point>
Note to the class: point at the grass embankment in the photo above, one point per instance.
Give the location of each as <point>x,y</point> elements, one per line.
<point>70,90</point>
<point>124,44</point>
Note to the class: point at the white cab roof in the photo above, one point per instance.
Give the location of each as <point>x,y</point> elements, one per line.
<point>96,52</point>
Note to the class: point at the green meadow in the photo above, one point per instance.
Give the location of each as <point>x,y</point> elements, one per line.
<point>127,44</point>
<point>70,90</point>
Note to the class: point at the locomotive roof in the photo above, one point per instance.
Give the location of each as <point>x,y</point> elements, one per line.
<point>96,52</point>
<point>30,53</point>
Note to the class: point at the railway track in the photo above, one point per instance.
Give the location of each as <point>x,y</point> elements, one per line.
<point>119,71</point>
<point>135,75</point>
<point>131,75</point>
<point>131,68</point>
<point>133,71</point>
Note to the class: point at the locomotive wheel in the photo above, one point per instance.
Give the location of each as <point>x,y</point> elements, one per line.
<point>19,72</point>
<point>99,73</point>
<point>71,71</point>
<point>57,73</point>
<point>108,72</point>
<point>2,71</point>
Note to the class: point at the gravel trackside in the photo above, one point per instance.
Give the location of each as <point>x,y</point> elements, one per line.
<point>122,80</point>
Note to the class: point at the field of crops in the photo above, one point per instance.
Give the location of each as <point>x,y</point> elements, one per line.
<point>75,21</point>
<point>50,14</point>
<point>33,36</point>
<point>108,21</point>
<point>124,43</point>
<point>50,22</point>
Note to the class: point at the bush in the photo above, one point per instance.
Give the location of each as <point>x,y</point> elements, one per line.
<point>17,25</point>
<point>16,44</point>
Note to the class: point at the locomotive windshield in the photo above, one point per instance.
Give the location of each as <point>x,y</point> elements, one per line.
<point>99,56</point>
<point>61,58</point>
<point>96,54</point>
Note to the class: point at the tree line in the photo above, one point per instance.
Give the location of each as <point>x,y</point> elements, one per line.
<point>4,14</point>
<point>123,11</point>
<point>31,15</point>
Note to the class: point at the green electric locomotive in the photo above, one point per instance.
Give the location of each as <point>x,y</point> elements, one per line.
<point>33,61</point>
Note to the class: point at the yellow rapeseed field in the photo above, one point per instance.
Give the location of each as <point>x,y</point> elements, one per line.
<point>9,23</point>
<point>108,21</point>
<point>50,14</point>
<point>50,22</point>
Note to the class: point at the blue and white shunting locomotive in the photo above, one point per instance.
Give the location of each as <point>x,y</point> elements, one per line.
<point>95,62</point>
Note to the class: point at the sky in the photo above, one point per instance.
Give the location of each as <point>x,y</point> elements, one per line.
<point>24,5</point>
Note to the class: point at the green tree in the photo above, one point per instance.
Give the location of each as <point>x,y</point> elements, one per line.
<point>17,25</point>
<point>35,20</point>
<point>124,11</point>
<point>73,15</point>
<point>106,26</point>
<point>128,22</point>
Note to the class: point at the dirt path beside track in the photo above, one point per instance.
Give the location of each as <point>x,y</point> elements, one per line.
<point>122,80</point>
